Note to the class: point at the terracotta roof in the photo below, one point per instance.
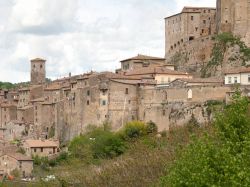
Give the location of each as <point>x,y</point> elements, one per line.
<point>37,100</point>
<point>143,57</point>
<point>53,87</point>
<point>18,156</point>
<point>41,143</point>
<point>185,10</point>
<point>7,105</point>
<point>24,89</point>
<point>154,70</point>
<point>26,107</point>
<point>200,80</point>
<point>143,81</point>
<point>238,70</point>
<point>37,59</point>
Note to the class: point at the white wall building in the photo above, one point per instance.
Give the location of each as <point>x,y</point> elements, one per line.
<point>238,76</point>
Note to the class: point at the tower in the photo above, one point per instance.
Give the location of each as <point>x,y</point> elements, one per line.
<point>234,16</point>
<point>38,72</point>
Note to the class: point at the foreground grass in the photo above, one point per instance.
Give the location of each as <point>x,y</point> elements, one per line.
<point>144,162</point>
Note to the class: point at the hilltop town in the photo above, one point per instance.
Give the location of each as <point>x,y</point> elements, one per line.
<point>168,91</point>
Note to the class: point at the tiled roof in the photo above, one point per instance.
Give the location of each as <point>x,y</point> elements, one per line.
<point>41,143</point>
<point>238,70</point>
<point>200,80</point>
<point>24,89</point>
<point>53,87</point>
<point>37,59</point>
<point>37,100</point>
<point>19,156</point>
<point>154,70</point>
<point>143,57</point>
<point>148,81</point>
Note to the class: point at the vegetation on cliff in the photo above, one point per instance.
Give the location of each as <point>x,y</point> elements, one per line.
<point>220,158</point>
<point>224,42</point>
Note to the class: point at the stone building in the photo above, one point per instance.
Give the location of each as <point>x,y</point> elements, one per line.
<point>41,148</point>
<point>8,112</point>
<point>16,161</point>
<point>191,24</point>
<point>141,61</point>
<point>238,76</point>
<point>234,16</point>
<point>160,74</point>
<point>38,73</point>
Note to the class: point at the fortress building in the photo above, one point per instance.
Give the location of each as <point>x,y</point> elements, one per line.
<point>38,72</point>
<point>234,16</point>
<point>188,41</point>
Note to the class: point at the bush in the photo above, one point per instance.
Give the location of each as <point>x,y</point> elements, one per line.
<point>164,133</point>
<point>151,128</point>
<point>134,129</point>
<point>80,148</point>
<point>221,159</point>
<point>98,143</point>
<point>15,173</point>
<point>107,145</point>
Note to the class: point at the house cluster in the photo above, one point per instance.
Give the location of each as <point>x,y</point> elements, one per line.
<point>45,114</point>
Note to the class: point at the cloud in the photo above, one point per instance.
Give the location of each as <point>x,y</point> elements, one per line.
<point>78,36</point>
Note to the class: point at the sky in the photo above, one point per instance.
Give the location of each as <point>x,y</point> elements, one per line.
<point>78,36</point>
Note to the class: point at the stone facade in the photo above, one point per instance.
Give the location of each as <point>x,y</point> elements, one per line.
<point>16,161</point>
<point>41,148</point>
<point>233,16</point>
<point>38,73</point>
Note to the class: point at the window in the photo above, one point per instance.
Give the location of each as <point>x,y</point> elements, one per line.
<point>41,66</point>
<point>163,112</point>
<point>192,18</point>
<point>126,91</point>
<point>41,149</point>
<point>204,21</point>
<point>88,93</point>
<point>169,79</point>
<point>235,80</point>
<point>103,102</point>
<point>229,80</point>
<point>35,150</point>
<point>190,94</point>
<point>248,78</point>
<point>87,102</point>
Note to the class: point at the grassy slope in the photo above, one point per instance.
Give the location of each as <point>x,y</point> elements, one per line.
<point>143,164</point>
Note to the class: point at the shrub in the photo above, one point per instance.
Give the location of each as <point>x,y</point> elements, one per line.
<point>80,147</point>
<point>15,173</point>
<point>107,145</point>
<point>164,133</point>
<point>98,143</point>
<point>151,127</point>
<point>134,129</point>
<point>221,159</point>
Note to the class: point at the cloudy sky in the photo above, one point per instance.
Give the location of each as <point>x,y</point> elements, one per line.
<point>81,35</point>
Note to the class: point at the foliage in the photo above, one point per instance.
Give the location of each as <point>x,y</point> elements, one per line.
<point>97,144</point>
<point>21,150</point>
<point>151,128</point>
<point>221,159</point>
<point>134,129</point>
<point>223,42</point>
<point>7,85</point>
<point>192,124</point>
<point>52,132</point>
<point>15,173</point>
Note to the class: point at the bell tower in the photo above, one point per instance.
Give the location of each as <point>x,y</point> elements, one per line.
<point>38,72</point>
